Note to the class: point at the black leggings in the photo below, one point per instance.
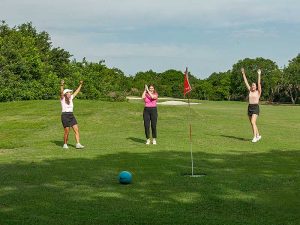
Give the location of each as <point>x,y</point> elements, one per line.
<point>150,114</point>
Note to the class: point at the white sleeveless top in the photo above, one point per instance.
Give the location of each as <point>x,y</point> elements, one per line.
<point>65,107</point>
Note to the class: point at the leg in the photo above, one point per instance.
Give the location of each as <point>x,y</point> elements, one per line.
<point>146,117</point>
<point>76,131</point>
<point>254,126</point>
<point>153,118</point>
<point>256,130</point>
<point>66,134</point>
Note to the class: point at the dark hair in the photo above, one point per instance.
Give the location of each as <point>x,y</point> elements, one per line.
<point>67,100</point>
<point>255,84</point>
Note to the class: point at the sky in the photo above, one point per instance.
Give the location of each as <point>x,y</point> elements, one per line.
<point>139,35</point>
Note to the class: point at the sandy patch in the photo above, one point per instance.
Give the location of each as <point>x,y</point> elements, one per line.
<point>160,98</point>
<point>176,103</point>
<point>169,101</point>
<point>133,98</point>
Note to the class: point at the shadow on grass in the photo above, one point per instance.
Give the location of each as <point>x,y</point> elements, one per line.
<point>138,140</point>
<point>61,143</point>
<point>237,138</point>
<point>240,188</point>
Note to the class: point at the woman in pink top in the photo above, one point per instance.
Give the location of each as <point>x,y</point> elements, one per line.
<point>67,117</point>
<point>253,107</point>
<point>150,112</point>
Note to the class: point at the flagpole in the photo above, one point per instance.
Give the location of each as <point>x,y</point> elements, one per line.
<point>191,146</point>
<point>187,90</point>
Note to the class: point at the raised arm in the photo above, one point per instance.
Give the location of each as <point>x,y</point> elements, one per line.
<point>258,81</point>
<point>62,84</point>
<point>153,96</point>
<point>145,91</point>
<point>245,79</point>
<point>78,89</point>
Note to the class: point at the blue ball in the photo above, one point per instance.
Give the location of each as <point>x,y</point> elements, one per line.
<point>125,177</point>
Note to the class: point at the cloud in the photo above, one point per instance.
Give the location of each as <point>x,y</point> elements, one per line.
<point>208,35</point>
<point>81,46</point>
<point>254,33</point>
<point>136,13</point>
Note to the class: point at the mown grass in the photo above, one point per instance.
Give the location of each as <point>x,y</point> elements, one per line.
<point>246,183</point>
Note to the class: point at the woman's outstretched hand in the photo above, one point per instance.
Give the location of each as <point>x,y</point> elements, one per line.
<point>243,70</point>
<point>259,71</point>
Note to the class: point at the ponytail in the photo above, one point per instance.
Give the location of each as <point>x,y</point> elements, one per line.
<point>67,100</point>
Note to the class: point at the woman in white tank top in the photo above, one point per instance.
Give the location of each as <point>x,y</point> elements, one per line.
<point>253,107</point>
<point>67,117</point>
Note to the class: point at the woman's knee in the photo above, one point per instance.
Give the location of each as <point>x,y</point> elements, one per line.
<point>67,130</point>
<point>76,129</point>
<point>253,122</point>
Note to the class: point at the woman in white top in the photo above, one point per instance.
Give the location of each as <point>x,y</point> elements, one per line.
<point>67,117</point>
<point>253,107</point>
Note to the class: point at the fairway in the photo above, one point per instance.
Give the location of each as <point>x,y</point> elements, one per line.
<point>246,183</point>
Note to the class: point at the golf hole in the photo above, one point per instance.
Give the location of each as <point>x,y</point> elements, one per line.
<point>194,175</point>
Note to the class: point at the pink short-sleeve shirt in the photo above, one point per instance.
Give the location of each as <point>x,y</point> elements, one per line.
<point>149,102</point>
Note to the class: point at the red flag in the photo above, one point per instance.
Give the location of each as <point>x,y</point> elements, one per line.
<point>187,86</point>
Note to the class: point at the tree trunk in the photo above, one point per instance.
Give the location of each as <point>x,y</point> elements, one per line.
<point>271,96</point>
<point>291,95</point>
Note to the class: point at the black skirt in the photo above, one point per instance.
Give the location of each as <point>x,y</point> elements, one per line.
<point>253,109</point>
<point>68,119</point>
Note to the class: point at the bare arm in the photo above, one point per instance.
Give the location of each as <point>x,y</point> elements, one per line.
<point>144,95</point>
<point>62,84</point>
<point>153,96</point>
<point>145,91</point>
<point>245,79</point>
<point>78,89</point>
<point>258,81</point>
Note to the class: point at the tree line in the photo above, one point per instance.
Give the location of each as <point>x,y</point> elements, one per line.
<point>31,68</point>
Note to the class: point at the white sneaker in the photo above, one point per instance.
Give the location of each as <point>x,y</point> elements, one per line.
<point>254,140</point>
<point>148,142</point>
<point>78,145</point>
<point>258,137</point>
<point>65,146</point>
<point>154,141</point>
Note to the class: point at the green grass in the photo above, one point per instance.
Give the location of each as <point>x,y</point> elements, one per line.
<point>246,183</point>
